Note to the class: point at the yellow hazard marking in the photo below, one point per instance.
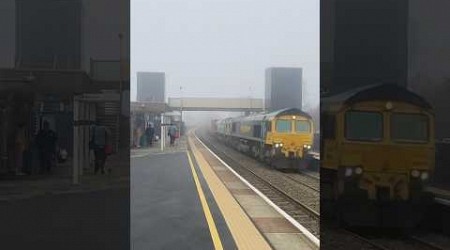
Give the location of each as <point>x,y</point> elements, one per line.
<point>210,220</point>
<point>244,232</point>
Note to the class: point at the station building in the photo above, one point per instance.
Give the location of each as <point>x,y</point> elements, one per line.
<point>52,55</point>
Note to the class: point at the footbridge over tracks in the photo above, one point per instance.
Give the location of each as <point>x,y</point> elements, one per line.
<point>200,104</point>
<point>217,104</point>
<point>148,107</point>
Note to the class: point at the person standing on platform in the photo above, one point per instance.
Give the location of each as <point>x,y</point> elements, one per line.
<point>46,142</point>
<point>172,134</point>
<point>99,144</point>
<point>150,132</point>
<point>21,145</point>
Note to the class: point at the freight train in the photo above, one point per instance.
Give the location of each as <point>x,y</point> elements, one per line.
<point>378,153</point>
<point>282,138</point>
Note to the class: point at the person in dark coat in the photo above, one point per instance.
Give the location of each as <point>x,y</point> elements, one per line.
<point>46,141</point>
<point>172,134</point>
<point>99,144</point>
<point>150,133</point>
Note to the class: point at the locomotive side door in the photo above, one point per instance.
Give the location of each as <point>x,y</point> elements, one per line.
<point>262,136</point>
<point>264,129</point>
<point>328,142</point>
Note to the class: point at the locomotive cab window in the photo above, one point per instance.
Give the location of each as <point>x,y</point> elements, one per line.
<point>283,126</point>
<point>409,127</point>
<point>363,126</point>
<point>302,126</point>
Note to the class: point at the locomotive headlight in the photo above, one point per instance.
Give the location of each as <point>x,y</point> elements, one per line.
<point>389,105</point>
<point>307,146</point>
<point>348,172</point>
<point>415,173</point>
<point>281,144</point>
<point>424,176</point>
<point>358,170</point>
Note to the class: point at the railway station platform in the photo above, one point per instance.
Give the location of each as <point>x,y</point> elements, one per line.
<point>187,197</point>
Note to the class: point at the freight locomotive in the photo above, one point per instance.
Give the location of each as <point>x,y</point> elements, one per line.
<point>378,153</point>
<point>282,138</point>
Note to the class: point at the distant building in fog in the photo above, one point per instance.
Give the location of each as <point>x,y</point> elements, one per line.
<point>283,88</point>
<point>151,87</point>
<point>52,50</point>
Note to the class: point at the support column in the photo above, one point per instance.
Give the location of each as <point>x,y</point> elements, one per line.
<point>92,119</point>
<point>76,137</point>
<point>162,138</point>
<point>82,137</point>
<point>131,129</point>
<point>4,138</point>
<point>86,136</point>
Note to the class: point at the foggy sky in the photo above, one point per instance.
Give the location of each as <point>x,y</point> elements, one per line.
<point>217,48</point>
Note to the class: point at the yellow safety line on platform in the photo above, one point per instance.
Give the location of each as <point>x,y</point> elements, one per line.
<point>244,232</point>
<point>208,215</point>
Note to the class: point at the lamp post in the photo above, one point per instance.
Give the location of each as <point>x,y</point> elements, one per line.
<point>181,109</point>
<point>250,98</point>
<point>163,132</point>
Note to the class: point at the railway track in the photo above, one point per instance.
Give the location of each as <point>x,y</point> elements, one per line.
<point>408,243</point>
<point>384,241</point>
<point>304,180</point>
<point>283,191</point>
<point>311,174</point>
<point>428,244</point>
<point>337,238</point>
